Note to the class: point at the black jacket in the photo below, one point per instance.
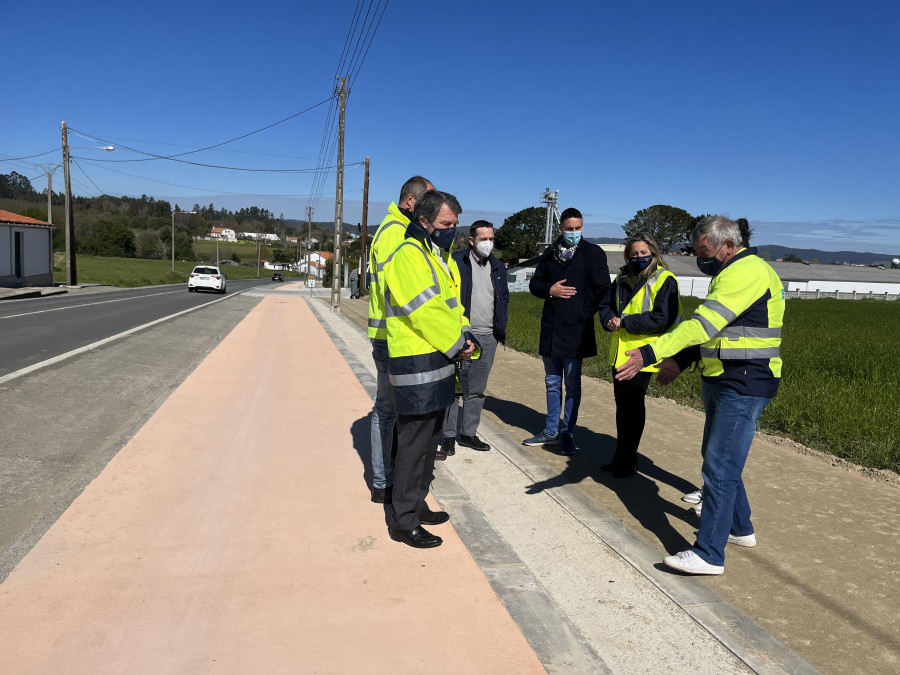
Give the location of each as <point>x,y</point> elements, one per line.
<point>501,290</point>
<point>567,325</point>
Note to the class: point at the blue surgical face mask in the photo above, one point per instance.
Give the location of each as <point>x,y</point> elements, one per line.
<point>572,238</point>
<point>443,238</point>
<point>711,266</point>
<point>639,263</point>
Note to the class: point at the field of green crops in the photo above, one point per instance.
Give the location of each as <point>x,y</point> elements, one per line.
<point>840,389</point>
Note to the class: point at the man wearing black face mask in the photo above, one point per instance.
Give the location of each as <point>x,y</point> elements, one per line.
<point>736,337</point>
<point>427,332</point>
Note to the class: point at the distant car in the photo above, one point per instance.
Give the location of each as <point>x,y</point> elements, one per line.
<point>278,276</point>
<point>208,278</point>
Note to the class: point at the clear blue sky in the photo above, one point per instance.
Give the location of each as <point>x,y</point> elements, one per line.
<point>783,112</point>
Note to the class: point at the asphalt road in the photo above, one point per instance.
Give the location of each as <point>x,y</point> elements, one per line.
<point>38,329</point>
<point>62,424</point>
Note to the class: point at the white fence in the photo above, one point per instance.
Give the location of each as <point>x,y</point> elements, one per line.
<point>698,287</point>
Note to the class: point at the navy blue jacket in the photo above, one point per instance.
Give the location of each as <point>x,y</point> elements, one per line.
<point>501,290</point>
<point>567,326</point>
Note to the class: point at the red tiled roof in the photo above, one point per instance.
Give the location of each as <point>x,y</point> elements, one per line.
<point>9,217</point>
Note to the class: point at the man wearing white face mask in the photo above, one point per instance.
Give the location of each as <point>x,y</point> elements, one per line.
<point>485,298</point>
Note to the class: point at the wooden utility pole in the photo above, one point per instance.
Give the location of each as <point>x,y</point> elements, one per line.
<point>339,206</point>
<point>71,269</point>
<point>363,261</point>
<point>308,242</point>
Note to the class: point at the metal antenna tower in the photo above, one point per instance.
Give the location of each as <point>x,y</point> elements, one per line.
<point>550,199</point>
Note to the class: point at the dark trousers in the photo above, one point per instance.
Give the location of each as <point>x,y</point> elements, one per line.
<point>417,441</point>
<point>630,418</point>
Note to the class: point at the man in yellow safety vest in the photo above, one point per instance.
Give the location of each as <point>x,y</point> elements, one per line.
<point>735,335</point>
<point>427,332</point>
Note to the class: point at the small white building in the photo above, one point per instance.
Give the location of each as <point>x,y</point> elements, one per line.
<point>26,251</point>
<point>261,236</point>
<point>222,234</point>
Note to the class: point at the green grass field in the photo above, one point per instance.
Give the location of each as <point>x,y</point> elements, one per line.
<point>131,272</point>
<point>840,389</point>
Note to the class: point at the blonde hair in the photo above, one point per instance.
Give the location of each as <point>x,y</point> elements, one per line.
<point>654,251</point>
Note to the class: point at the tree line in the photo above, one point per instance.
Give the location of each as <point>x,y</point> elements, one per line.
<point>137,226</point>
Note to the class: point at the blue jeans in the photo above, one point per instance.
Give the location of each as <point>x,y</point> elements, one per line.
<point>727,434</point>
<point>383,419</point>
<point>556,371</point>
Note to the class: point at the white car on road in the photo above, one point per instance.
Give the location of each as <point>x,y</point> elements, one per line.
<point>206,277</point>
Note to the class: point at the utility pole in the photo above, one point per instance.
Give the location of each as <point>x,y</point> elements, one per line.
<point>550,199</point>
<point>71,268</point>
<point>49,169</point>
<point>308,243</point>
<point>363,261</point>
<point>339,206</point>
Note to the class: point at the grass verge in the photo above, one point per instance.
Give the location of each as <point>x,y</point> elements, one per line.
<point>131,272</point>
<point>840,389</point>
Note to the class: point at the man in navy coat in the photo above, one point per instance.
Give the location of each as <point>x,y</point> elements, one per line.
<point>572,277</point>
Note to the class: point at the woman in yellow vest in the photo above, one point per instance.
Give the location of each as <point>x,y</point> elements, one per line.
<point>642,304</point>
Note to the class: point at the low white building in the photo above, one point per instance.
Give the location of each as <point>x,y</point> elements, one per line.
<point>261,236</point>
<point>222,234</point>
<point>26,251</point>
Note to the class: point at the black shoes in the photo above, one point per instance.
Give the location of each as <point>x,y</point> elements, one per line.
<point>430,517</point>
<point>417,538</point>
<point>446,449</point>
<point>382,495</point>
<point>474,442</point>
<point>619,471</point>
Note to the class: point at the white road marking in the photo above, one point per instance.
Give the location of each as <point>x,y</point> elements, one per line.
<point>89,304</point>
<point>100,343</point>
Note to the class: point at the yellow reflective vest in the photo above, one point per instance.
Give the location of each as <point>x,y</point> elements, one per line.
<point>425,323</point>
<point>738,328</point>
<point>388,237</point>
<point>641,302</point>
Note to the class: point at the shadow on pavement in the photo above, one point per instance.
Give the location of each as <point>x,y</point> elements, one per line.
<point>360,430</point>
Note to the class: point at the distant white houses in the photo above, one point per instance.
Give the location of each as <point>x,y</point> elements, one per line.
<point>222,234</point>
<point>26,251</point>
<point>260,236</point>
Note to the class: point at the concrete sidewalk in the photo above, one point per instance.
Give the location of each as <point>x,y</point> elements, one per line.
<point>824,580</point>
<point>234,534</point>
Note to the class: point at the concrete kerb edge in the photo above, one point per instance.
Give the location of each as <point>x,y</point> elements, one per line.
<point>558,644</point>
<point>754,646</point>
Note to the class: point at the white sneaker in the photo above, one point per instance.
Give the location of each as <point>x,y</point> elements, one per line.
<point>691,563</point>
<point>697,508</point>
<point>694,497</point>
<point>748,540</point>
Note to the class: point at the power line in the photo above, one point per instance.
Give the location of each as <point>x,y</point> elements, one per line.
<point>152,156</point>
<point>81,168</point>
<point>17,159</point>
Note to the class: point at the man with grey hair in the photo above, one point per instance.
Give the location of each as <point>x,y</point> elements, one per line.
<point>388,236</point>
<point>735,335</point>
<point>427,333</point>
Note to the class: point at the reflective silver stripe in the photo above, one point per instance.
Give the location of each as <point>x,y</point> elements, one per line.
<point>720,309</point>
<point>741,354</point>
<point>377,323</point>
<point>390,309</point>
<point>423,378</point>
<point>707,325</point>
<point>734,332</point>
<point>452,303</point>
<point>645,304</point>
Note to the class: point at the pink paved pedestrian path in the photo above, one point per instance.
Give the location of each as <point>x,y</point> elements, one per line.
<point>234,533</point>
